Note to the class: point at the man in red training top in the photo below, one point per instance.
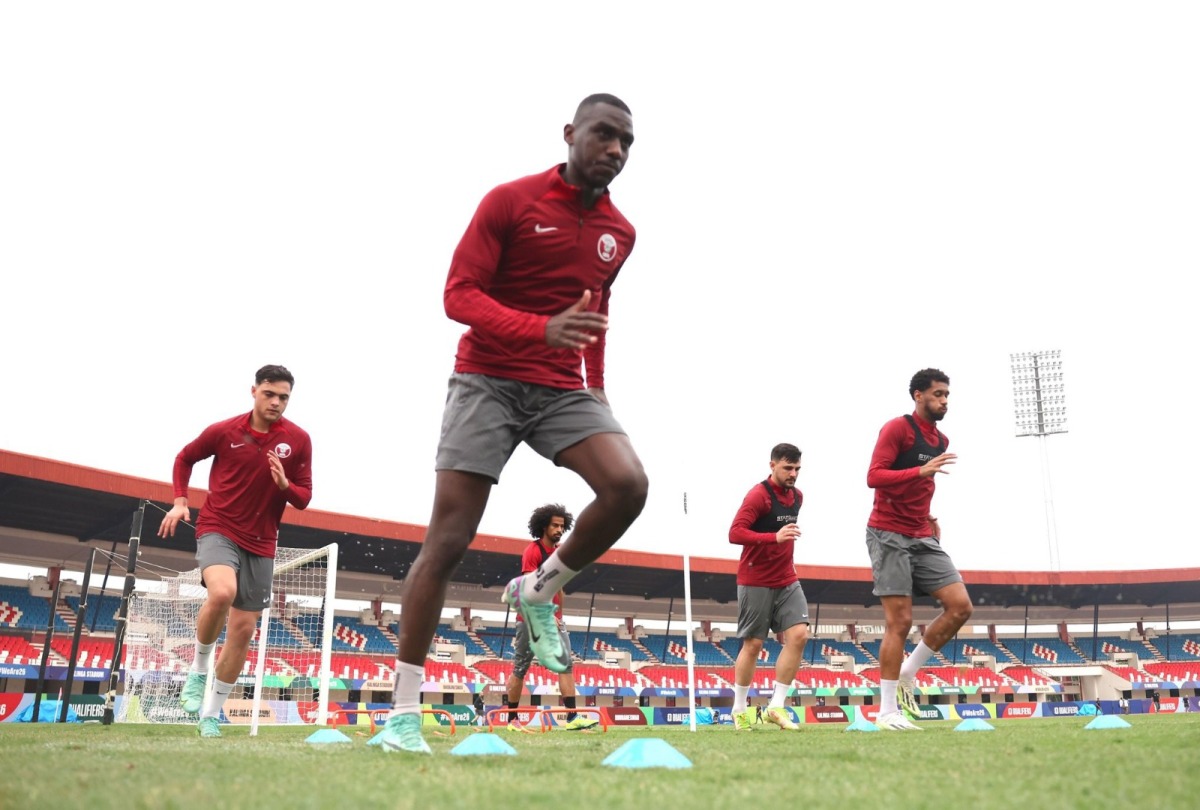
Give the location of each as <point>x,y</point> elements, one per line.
<point>905,544</point>
<point>531,277</point>
<point>547,524</point>
<point>261,463</point>
<point>770,599</point>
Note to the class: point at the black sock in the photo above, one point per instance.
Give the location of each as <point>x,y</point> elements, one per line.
<point>512,709</point>
<point>569,702</point>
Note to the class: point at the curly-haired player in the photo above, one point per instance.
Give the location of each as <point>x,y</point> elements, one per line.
<point>547,525</point>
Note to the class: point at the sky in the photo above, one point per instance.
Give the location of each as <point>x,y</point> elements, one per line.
<point>828,198</point>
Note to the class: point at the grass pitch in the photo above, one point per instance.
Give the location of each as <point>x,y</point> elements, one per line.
<point>1052,763</point>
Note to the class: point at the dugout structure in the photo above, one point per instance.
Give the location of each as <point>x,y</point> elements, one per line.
<point>289,657</point>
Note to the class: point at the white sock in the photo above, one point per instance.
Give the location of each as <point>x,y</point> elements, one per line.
<point>739,697</point>
<point>777,697</point>
<point>915,661</point>
<point>540,586</point>
<point>887,696</point>
<point>406,694</point>
<point>216,698</point>
<point>203,657</point>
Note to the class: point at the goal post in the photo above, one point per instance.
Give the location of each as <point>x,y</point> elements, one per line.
<point>289,659</point>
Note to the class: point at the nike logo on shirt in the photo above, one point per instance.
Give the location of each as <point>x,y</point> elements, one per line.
<point>547,229</point>
<point>235,446</point>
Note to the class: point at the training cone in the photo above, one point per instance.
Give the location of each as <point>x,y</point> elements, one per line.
<point>327,735</point>
<point>974,724</point>
<point>1107,721</point>
<point>482,745</point>
<point>651,753</point>
<point>861,724</point>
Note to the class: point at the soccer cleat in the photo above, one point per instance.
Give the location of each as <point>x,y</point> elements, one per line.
<point>403,733</point>
<point>581,723</point>
<point>542,625</point>
<point>515,726</point>
<point>896,721</point>
<point>906,699</point>
<point>209,727</point>
<point>781,718</point>
<point>741,721</point>
<point>192,695</point>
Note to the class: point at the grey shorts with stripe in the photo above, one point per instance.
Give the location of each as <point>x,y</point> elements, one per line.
<point>523,653</point>
<point>908,566</point>
<point>762,611</point>
<point>487,417</point>
<point>253,572</point>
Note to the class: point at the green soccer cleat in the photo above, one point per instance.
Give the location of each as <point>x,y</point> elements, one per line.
<point>781,718</point>
<point>741,721</point>
<point>403,733</point>
<point>580,723</point>
<point>209,727</point>
<point>907,699</point>
<point>192,695</point>
<point>543,628</point>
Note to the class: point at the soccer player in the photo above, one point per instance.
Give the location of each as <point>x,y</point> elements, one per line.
<point>547,524</point>
<point>770,599</point>
<point>531,277</point>
<point>904,541</point>
<point>261,463</point>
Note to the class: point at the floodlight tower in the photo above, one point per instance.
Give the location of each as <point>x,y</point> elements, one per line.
<point>1041,410</point>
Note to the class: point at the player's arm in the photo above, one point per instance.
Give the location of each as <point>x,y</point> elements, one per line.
<point>756,504</point>
<point>298,488</point>
<point>476,260</point>
<point>200,448</point>
<point>593,353</point>
<point>888,448</point>
<point>529,559</point>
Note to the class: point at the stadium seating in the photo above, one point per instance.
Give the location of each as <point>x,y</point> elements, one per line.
<point>873,647</point>
<point>733,646</point>
<point>498,672</point>
<point>16,650</point>
<point>102,611</point>
<point>1043,651</point>
<point>593,675</point>
<point>93,652</point>
<point>22,611</point>
<point>592,646</point>
<point>674,676</point>
<point>965,676</point>
<point>1179,647</point>
<point>1025,676</point>
<point>959,651</point>
<point>823,678</point>
<point>1175,671</point>
<point>1106,645</point>
<point>459,637</point>
<point>818,651</point>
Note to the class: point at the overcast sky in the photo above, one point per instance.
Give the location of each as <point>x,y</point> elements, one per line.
<point>828,197</point>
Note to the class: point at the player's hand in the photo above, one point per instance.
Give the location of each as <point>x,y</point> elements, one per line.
<point>936,528</point>
<point>935,464</point>
<point>788,532</point>
<point>575,328</point>
<point>178,512</point>
<point>277,472</point>
<point>599,394</point>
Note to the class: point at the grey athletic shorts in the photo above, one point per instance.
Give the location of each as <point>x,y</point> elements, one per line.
<point>523,653</point>
<point>253,572</point>
<point>487,417</point>
<point>907,566</point>
<point>762,611</point>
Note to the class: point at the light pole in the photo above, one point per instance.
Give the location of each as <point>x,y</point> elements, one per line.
<point>1041,409</point>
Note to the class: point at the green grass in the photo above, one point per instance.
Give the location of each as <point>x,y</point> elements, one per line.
<point>1025,764</point>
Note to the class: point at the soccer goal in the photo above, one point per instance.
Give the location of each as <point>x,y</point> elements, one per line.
<point>286,676</point>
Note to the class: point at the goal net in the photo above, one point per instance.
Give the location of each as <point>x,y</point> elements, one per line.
<point>286,675</point>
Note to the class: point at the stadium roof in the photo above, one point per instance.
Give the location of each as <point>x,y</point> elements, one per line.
<point>52,512</point>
